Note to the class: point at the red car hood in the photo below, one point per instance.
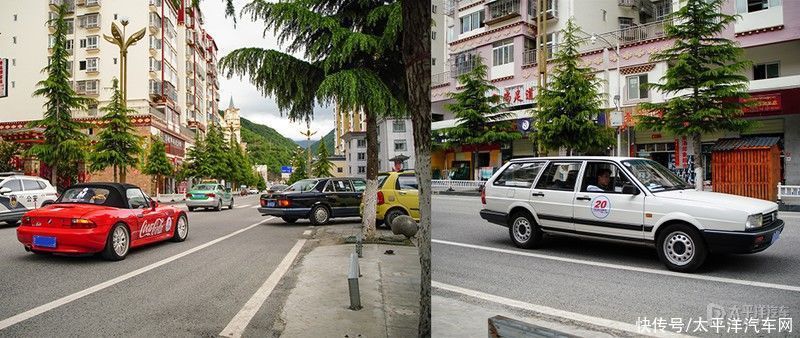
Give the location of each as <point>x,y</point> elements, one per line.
<point>63,212</point>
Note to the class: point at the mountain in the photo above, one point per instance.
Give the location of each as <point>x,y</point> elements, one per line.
<point>328,139</point>
<point>267,146</point>
<point>303,143</point>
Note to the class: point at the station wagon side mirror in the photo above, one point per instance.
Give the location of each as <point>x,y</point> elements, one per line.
<point>5,190</point>
<point>630,189</point>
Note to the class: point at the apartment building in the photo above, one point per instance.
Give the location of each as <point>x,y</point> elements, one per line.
<point>172,81</point>
<point>504,33</point>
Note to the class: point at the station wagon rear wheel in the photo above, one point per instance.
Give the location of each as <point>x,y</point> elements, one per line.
<point>524,232</point>
<point>681,248</point>
<point>320,215</point>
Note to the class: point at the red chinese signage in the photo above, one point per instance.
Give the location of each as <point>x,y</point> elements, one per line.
<point>681,156</point>
<point>763,103</point>
<point>518,94</point>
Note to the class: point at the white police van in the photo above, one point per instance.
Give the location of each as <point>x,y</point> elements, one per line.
<point>20,194</point>
<point>628,199</point>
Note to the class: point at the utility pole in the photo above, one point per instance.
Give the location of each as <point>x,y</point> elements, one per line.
<point>541,53</point>
<point>308,133</point>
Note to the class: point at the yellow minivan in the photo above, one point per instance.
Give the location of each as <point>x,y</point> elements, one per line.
<point>398,194</point>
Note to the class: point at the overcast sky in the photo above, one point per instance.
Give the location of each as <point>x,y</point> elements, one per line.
<point>254,106</point>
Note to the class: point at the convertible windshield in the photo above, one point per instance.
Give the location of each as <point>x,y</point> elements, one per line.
<point>205,187</point>
<point>654,176</point>
<point>302,186</point>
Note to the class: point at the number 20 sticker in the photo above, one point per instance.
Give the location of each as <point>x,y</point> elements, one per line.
<point>601,207</point>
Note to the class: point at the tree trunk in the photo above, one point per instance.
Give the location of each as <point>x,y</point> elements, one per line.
<point>54,176</point>
<point>417,59</point>
<point>371,191</point>
<point>114,170</point>
<point>697,145</point>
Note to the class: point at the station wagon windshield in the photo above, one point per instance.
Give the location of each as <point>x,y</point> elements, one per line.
<point>302,186</point>
<point>205,187</point>
<point>654,176</point>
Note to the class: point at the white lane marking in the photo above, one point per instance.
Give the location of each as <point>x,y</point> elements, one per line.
<point>307,233</point>
<point>782,214</point>
<point>241,206</point>
<point>784,287</point>
<point>551,312</point>
<point>80,294</point>
<point>450,198</point>
<point>255,206</point>
<point>239,322</point>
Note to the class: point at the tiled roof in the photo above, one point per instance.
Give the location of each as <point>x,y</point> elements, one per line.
<point>727,144</point>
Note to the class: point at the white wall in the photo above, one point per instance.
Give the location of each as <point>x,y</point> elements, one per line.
<point>29,54</point>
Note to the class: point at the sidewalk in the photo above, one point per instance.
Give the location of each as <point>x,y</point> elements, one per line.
<point>389,287</point>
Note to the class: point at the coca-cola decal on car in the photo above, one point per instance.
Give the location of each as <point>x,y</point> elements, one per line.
<point>157,227</point>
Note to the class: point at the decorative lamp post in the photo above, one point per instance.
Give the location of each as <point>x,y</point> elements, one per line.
<point>308,133</point>
<point>118,38</point>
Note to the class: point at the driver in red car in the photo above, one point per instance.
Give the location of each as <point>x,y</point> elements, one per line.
<point>106,218</point>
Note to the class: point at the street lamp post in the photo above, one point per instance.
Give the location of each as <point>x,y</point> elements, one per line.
<point>618,96</point>
<point>118,38</point>
<point>308,133</point>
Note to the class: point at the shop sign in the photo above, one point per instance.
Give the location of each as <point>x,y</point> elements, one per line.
<point>763,103</point>
<point>524,126</point>
<point>3,77</point>
<point>681,155</point>
<point>518,94</point>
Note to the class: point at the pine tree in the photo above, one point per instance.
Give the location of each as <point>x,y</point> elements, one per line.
<point>322,167</point>
<point>117,145</point>
<point>216,154</point>
<point>351,57</point>
<point>708,68</point>
<point>196,164</point>
<point>157,164</point>
<point>7,151</point>
<point>480,117</point>
<point>64,145</point>
<point>298,168</point>
<point>570,101</point>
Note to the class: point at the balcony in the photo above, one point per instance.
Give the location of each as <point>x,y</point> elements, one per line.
<point>90,21</point>
<point>766,18</point>
<point>552,9</point>
<point>155,23</point>
<point>529,55</point>
<point>160,90</point>
<point>70,4</point>
<point>501,10</point>
<point>776,83</point>
<point>190,100</point>
<point>440,79</point>
<point>92,3</point>
<point>635,34</point>
<point>463,64</point>
<point>158,114</point>
<point>155,5</point>
<point>189,67</point>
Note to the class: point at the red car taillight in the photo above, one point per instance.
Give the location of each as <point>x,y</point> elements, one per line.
<point>211,194</point>
<point>483,196</point>
<point>380,198</point>
<point>82,223</point>
<point>188,195</point>
<point>284,203</point>
<point>26,220</point>
<point>263,203</point>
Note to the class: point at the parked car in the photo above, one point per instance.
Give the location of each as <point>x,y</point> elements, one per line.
<point>276,188</point>
<point>630,199</point>
<point>20,194</point>
<point>209,196</point>
<point>252,191</point>
<point>107,218</point>
<point>318,200</point>
<point>398,194</point>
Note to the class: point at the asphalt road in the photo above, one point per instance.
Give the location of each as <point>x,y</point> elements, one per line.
<point>606,280</point>
<point>196,294</point>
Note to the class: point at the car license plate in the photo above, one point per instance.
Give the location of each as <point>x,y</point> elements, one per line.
<point>44,241</point>
<point>198,196</point>
<point>270,204</point>
<point>775,236</point>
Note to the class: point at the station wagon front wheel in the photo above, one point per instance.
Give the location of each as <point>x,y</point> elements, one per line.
<point>524,232</point>
<point>681,248</point>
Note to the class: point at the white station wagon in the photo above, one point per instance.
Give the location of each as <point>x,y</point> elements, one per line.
<point>629,199</point>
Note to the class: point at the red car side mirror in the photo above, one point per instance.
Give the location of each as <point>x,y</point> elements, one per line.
<point>153,204</point>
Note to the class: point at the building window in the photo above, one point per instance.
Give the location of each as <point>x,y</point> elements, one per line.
<point>90,20</point>
<point>399,126</point>
<point>551,45</point>
<point>362,169</point>
<point>750,6</point>
<point>14,39</point>
<point>91,41</point>
<point>91,64</point>
<point>433,61</point>
<point>636,87</point>
<point>400,145</point>
<point>361,143</point>
<point>434,8</point>
<point>502,52</point>
<point>70,45</point>
<point>115,60</point>
<point>14,62</point>
<point>15,17</point>
<point>13,84</point>
<point>70,25</point>
<point>82,65</point>
<point>362,156</point>
<point>766,71</point>
<point>625,23</point>
<point>663,8</point>
<point>472,21</point>
<point>464,62</point>
<point>339,169</point>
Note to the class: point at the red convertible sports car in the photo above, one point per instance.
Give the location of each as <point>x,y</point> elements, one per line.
<point>107,218</point>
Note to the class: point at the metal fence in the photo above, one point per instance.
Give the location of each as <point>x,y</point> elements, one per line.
<point>790,191</point>
<point>457,185</point>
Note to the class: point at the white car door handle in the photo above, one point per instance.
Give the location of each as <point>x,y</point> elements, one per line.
<point>583,198</point>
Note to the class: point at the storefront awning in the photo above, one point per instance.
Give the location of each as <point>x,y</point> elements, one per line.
<point>513,115</point>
